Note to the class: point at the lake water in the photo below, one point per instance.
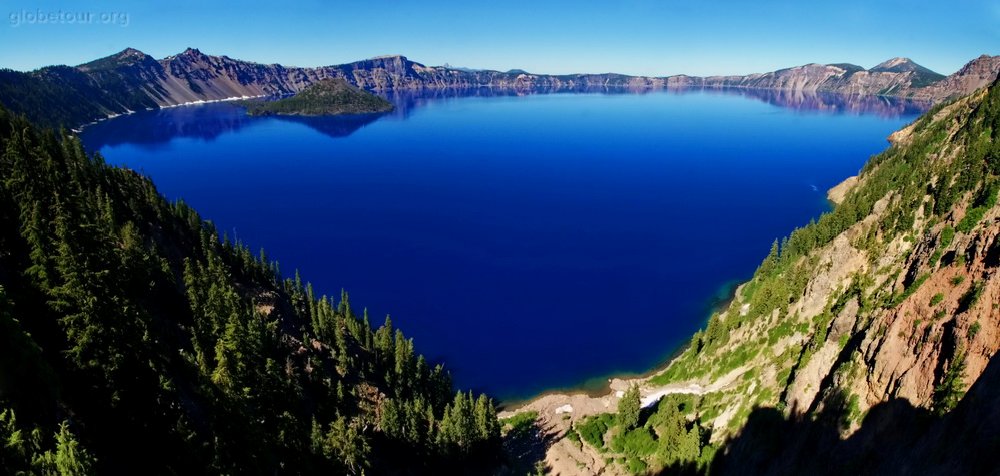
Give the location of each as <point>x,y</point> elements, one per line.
<point>532,242</point>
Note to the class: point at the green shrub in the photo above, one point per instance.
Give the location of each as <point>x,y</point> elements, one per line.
<point>520,423</point>
<point>912,288</point>
<point>937,299</point>
<point>935,257</point>
<point>593,428</point>
<point>574,436</point>
<point>782,377</point>
<point>634,443</point>
<point>971,297</point>
<point>636,466</point>
<point>780,331</point>
<point>974,329</point>
<point>986,201</point>
<point>947,236</point>
<point>971,218</point>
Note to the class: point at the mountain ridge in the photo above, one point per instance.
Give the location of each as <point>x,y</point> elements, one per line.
<point>131,80</point>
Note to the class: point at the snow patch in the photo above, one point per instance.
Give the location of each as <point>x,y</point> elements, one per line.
<point>210,101</point>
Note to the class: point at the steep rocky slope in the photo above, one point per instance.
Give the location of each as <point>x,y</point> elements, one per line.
<point>131,81</point>
<point>974,75</point>
<point>896,77</point>
<point>881,314</point>
<point>880,298</point>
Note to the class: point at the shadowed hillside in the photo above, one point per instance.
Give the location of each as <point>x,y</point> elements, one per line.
<point>136,340</point>
<point>895,438</point>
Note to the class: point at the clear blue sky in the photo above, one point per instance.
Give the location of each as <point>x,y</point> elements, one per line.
<point>647,37</point>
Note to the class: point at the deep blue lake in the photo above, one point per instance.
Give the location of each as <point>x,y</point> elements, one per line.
<point>532,242</point>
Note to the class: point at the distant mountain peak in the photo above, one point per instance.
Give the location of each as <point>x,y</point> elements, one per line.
<point>921,76</point>
<point>982,59</point>
<point>900,65</point>
<point>894,62</point>
<point>131,52</point>
<point>125,57</point>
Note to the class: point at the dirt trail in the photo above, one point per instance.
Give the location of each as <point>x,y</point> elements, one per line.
<point>580,405</point>
<point>557,412</point>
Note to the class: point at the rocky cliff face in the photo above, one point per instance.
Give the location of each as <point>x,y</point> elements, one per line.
<point>214,77</point>
<point>974,75</point>
<point>131,80</point>
<point>842,78</point>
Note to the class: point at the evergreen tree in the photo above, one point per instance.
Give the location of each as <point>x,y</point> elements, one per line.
<point>346,444</point>
<point>486,420</point>
<point>629,407</point>
<point>952,386</point>
<point>69,458</point>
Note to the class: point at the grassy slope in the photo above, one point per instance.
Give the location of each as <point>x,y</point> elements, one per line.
<point>762,330</point>
<point>812,327</point>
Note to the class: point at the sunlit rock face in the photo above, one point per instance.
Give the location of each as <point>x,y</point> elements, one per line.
<point>132,80</point>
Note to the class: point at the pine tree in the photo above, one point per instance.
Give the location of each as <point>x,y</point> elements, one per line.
<point>34,231</point>
<point>22,451</point>
<point>458,427</point>
<point>949,392</point>
<point>629,407</point>
<point>390,419</point>
<point>345,443</point>
<point>486,420</point>
<point>404,361</point>
<point>369,340</point>
<point>316,437</point>
<point>342,350</point>
<point>771,261</point>
<point>69,458</point>
<point>384,345</point>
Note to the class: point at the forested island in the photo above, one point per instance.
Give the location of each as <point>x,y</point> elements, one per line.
<point>328,97</point>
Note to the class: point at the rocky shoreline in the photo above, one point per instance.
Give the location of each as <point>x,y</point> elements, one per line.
<point>141,81</point>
